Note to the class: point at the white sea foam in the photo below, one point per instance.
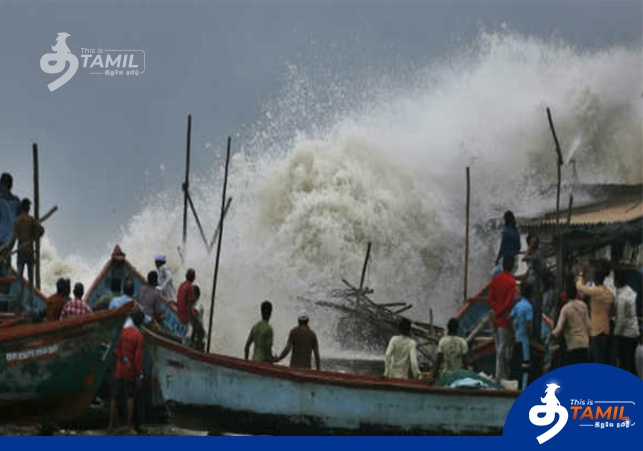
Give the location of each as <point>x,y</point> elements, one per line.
<point>338,163</point>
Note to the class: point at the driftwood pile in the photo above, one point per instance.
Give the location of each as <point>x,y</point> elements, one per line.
<point>384,317</point>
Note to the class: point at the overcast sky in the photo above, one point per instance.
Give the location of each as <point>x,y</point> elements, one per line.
<point>223,62</point>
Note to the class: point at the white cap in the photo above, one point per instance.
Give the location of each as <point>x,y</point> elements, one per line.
<point>159,258</point>
<point>302,316</point>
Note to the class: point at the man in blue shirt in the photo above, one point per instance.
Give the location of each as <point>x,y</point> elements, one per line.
<point>9,210</point>
<point>119,301</point>
<point>522,317</point>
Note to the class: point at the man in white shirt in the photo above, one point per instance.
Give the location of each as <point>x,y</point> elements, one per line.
<point>626,329</point>
<point>401,354</point>
<point>165,278</point>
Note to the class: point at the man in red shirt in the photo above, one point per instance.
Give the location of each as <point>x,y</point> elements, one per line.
<point>129,367</point>
<point>186,298</point>
<point>502,291</point>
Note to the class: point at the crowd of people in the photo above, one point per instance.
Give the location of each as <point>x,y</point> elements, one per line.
<point>594,317</point>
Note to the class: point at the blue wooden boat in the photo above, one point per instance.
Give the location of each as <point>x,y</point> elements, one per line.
<point>220,393</point>
<point>119,268</point>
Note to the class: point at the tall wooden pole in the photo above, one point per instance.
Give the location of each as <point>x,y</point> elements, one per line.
<point>198,221</point>
<point>559,164</point>
<point>560,251</point>
<point>186,184</point>
<point>216,264</point>
<point>361,280</point>
<point>36,208</point>
<point>466,242</point>
<point>216,232</point>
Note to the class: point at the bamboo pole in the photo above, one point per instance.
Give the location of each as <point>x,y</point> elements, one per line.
<point>559,164</point>
<point>560,271</point>
<point>466,241</point>
<point>216,264</point>
<point>186,183</point>
<point>196,217</point>
<point>569,209</point>
<point>216,232</point>
<point>361,280</point>
<point>36,209</point>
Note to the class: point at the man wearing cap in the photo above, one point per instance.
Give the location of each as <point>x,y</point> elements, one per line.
<point>26,230</point>
<point>186,298</point>
<point>149,299</point>
<point>56,302</point>
<point>165,278</point>
<point>303,342</point>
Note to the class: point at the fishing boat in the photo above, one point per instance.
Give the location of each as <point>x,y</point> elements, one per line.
<point>12,298</point>
<point>120,269</point>
<point>220,393</point>
<point>51,371</point>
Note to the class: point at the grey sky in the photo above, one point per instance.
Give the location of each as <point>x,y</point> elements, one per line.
<point>222,62</point>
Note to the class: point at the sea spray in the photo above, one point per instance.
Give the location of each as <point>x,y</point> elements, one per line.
<point>339,162</point>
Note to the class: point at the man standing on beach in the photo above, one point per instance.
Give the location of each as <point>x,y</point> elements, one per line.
<point>626,329</point>
<point>574,323</point>
<point>601,301</point>
<point>522,316</point>
<point>26,230</point>
<point>129,368</point>
<point>303,343</point>
<point>9,210</point>
<point>501,297</point>
<point>261,336</point>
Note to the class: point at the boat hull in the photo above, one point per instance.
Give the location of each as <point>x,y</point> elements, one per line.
<point>51,371</point>
<point>219,393</point>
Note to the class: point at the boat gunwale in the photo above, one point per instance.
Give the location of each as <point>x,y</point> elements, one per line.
<point>18,332</point>
<point>322,377</point>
